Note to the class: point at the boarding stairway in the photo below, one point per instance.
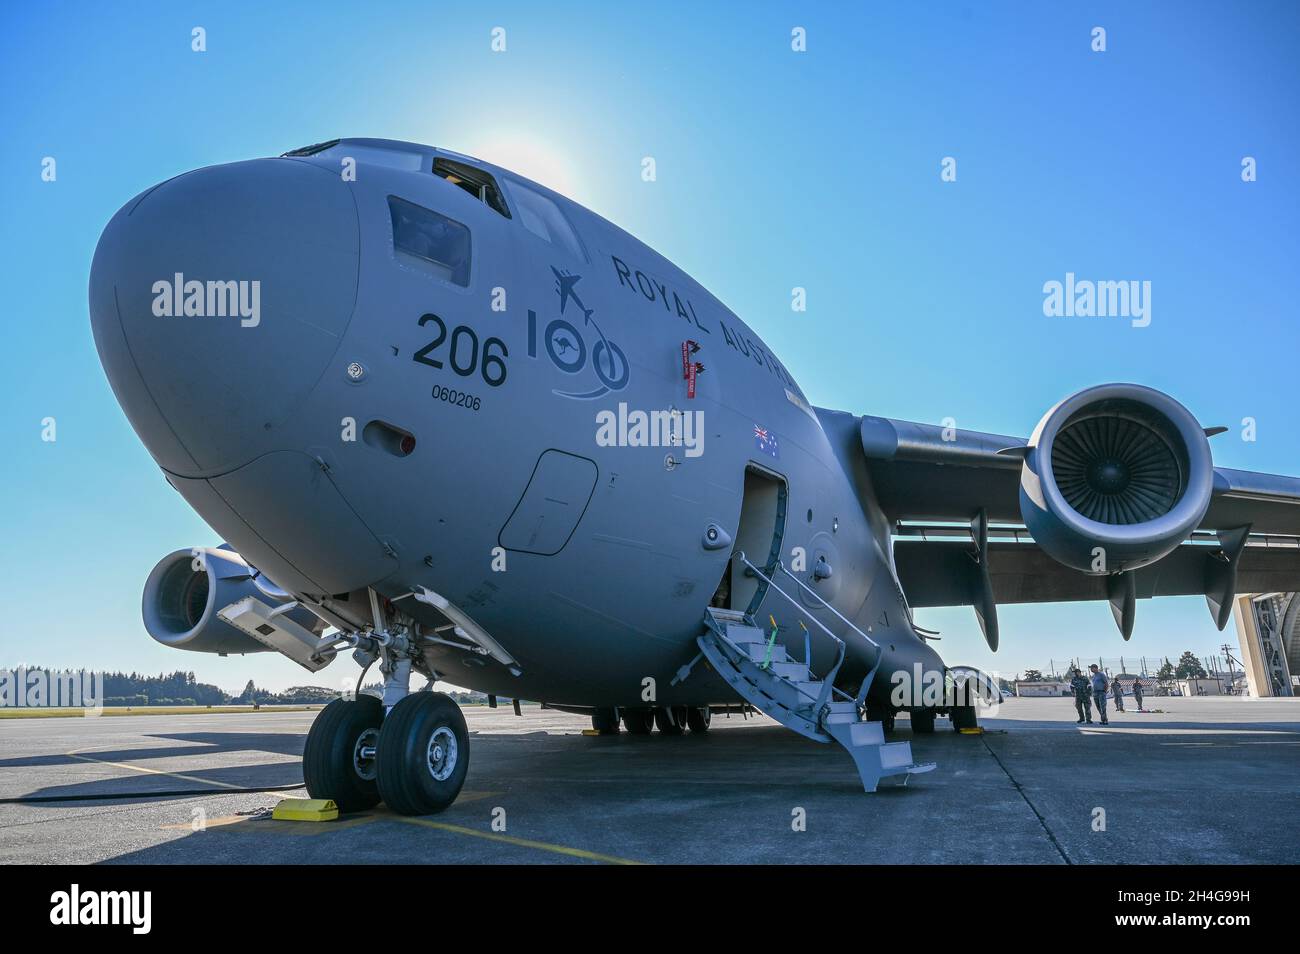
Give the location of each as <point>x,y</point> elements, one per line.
<point>761,671</point>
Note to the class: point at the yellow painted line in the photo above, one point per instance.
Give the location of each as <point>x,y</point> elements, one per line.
<point>149,771</point>
<point>518,842</point>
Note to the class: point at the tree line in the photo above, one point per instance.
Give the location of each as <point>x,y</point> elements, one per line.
<point>183,689</point>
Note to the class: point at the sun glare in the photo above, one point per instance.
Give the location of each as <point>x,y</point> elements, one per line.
<point>532,158</point>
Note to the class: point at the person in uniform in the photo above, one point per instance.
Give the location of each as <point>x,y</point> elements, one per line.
<point>1082,696</point>
<point>1100,684</point>
<point>1137,693</point>
<point>1117,693</point>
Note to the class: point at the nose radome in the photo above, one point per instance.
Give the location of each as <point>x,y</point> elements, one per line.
<point>217,300</point>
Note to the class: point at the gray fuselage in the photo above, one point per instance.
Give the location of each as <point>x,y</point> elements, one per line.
<point>498,366</point>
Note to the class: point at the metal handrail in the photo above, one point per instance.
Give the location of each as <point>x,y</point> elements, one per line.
<point>880,654</point>
<point>817,596</point>
<point>829,680</point>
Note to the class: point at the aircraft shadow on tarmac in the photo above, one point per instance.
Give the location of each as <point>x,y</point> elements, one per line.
<point>1174,772</point>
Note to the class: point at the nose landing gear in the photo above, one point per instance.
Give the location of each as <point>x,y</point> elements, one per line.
<point>414,758</point>
<point>339,760</point>
<point>423,754</point>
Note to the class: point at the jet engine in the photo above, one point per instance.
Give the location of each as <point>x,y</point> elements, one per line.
<point>1115,478</point>
<point>188,588</point>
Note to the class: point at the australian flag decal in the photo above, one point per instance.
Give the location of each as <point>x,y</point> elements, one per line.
<point>766,441</point>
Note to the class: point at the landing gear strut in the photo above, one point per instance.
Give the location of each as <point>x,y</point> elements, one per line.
<point>414,757</point>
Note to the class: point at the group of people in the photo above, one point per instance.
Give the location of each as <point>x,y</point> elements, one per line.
<point>1091,690</point>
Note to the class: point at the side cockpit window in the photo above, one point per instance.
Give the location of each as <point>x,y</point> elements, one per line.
<point>541,216</point>
<point>436,240</point>
<point>476,182</point>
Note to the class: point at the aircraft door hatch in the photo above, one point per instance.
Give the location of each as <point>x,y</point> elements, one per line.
<point>552,504</point>
<point>758,535</point>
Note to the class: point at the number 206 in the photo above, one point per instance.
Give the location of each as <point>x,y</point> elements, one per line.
<point>464,352</point>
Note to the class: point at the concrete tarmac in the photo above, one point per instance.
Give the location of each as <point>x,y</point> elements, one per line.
<point>1206,780</point>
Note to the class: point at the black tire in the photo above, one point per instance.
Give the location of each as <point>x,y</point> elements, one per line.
<point>332,765</point>
<point>605,721</point>
<point>963,717</point>
<point>639,721</point>
<point>423,737</point>
<point>698,718</point>
<point>671,721</point>
<point>923,720</point>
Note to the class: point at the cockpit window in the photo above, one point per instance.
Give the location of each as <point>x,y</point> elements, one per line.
<point>436,239</point>
<point>476,182</point>
<point>310,150</point>
<point>544,219</point>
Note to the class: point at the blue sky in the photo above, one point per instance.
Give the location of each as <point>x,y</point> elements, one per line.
<point>775,169</point>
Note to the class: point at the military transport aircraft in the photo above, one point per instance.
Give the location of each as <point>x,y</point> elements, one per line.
<point>356,363</point>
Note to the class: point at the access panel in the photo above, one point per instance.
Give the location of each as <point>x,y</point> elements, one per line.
<point>553,502</point>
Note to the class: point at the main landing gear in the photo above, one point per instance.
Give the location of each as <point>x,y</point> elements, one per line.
<point>410,750</point>
<point>640,720</point>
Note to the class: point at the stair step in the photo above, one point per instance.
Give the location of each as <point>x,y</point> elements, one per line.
<point>795,672</point>
<point>753,643</point>
<point>787,691</point>
<point>726,615</point>
<point>744,633</point>
<point>870,733</point>
<point>895,755</point>
<point>757,652</point>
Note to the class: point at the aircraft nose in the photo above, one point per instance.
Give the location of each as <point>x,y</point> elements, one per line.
<point>217,299</point>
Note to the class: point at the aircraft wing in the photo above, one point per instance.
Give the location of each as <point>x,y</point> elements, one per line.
<point>927,472</point>
<point>933,571</point>
<point>962,537</point>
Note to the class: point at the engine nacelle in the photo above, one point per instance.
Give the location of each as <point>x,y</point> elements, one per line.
<point>1119,467</point>
<point>188,588</point>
